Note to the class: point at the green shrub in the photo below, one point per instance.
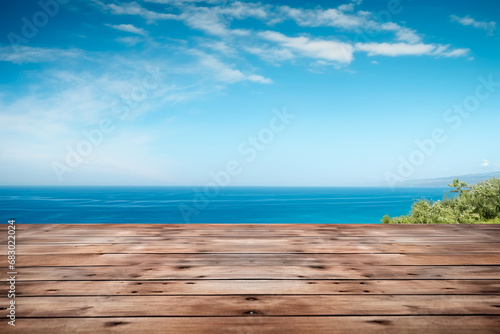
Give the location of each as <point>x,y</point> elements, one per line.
<point>386,219</point>
<point>478,204</point>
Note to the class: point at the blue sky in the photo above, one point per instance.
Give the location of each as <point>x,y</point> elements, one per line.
<point>179,92</point>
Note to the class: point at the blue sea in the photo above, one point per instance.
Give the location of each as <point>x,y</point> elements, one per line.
<point>78,205</point>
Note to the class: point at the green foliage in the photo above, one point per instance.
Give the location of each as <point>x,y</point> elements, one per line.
<point>492,221</point>
<point>386,219</point>
<point>459,186</point>
<point>478,204</point>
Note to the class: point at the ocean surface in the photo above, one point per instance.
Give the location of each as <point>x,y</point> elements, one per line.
<point>77,205</point>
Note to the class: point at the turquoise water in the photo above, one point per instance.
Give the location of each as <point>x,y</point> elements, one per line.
<point>76,205</point>
<point>191,205</point>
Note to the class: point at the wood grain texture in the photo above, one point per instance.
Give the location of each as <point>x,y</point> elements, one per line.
<point>263,287</point>
<point>275,245</point>
<point>264,305</point>
<point>266,325</point>
<point>241,278</point>
<point>141,272</point>
<point>255,259</point>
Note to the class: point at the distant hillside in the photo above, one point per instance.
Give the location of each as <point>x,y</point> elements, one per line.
<point>444,181</point>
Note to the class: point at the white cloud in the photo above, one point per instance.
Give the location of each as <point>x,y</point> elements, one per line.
<point>488,163</point>
<point>443,51</point>
<point>129,28</point>
<point>321,66</point>
<point>404,49</point>
<point>394,49</point>
<point>36,127</point>
<point>215,17</point>
<point>45,117</point>
<point>129,40</point>
<point>346,8</point>
<point>133,8</point>
<point>407,35</point>
<point>213,20</point>
<point>219,46</point>
<point>205,19</point>
<point>241,10</point>
<point>27,54</point>
<point>270,54</point>
<point>224,73</point>
<point>469,21</point>
<point>340,18</point>
<point>259,79</point>
<point>313,48</point>
<point>181,2</point>
<point>321,18</point>
<point>402,34</point>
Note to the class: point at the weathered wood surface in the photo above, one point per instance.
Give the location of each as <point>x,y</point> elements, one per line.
<point>265,325</point>
<point>255,278</point>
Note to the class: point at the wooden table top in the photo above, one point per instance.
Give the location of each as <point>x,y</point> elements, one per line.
<point>261,278</point>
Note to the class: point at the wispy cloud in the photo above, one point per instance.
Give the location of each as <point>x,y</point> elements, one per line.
<point>405,49</point>
<point>448,52</point>
<point>129,40</point>
<point>27,54</point>
<point>346,7</point>
<point>394,49</point>
<point>402,34</point>
<point>225,73</point>
<point>215,17</point>
<point>325,18</point>
<point>179,2</point>
<point>129,28</point>
<point>469,21</point>
<point>242,10</point>
<point>133,8</point>
<point>342,18</point>
<point>205,19</point>
<point>270,54</point>
<point>213,20</point>
<point>488,163</point>
<point>36,128</point>
<point>219,46</point>
<point>313,48</point>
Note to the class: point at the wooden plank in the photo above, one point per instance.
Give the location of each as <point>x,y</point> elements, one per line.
<point>271,287</point>
<point>140,272</point>
<point>256,259</point>
<point>255,247</point>
<point>264,325</point>
<point>196,229</point>
<point>278,233</point>
<point>257,230</point>
<point>342,227</point>
<point>264,240</point>
<point>269,305</point>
